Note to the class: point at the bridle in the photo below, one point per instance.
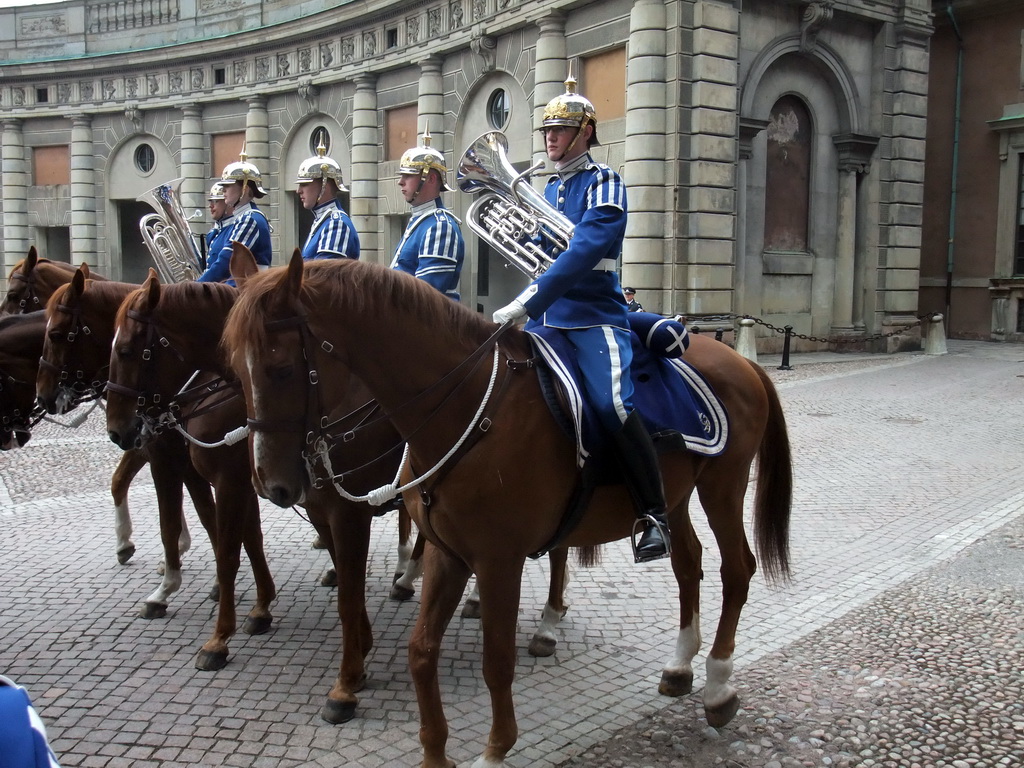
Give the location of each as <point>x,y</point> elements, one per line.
<point>72,383</point>
<point>15,420</point>
<point>31,296</point>
<point>156,413</point>
<point>321,433</point>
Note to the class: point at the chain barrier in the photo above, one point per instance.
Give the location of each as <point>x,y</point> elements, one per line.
<point>693,325</point>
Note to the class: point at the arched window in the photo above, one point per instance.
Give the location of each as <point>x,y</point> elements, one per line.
<point>788,175</point>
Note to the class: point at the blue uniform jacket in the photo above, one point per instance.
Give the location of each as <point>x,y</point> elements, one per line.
<point>432,248</point>
<point>217,238</point>
<point>251,229</point>
<point>332,235</point>
<point>572,293</point>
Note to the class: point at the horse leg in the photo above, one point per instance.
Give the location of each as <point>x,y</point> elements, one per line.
<point>259,619</point>
<point>167,480</point>
<point>500,583</point>
<point>723,503</point>
<point>546,638</point>
<point>405,585</point>
<point>201,493</point>
<point>444,579</point>
<point>404,547</point>
<point>471,608</point>
<point>127,468</point>
<point>350,532</point>
<point>677,676</point>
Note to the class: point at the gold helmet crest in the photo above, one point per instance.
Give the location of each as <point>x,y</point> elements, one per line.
<point>570,109</point>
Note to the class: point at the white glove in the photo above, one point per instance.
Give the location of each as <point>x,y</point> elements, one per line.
<point>512,311</point>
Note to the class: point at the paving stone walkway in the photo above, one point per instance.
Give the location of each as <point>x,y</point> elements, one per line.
<point>906,467</point>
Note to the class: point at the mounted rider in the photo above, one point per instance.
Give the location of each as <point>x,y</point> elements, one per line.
<point>333,234</point>
<point>580,296</point>
<point>223,218</point>
<point>242,183</point>
<point>432,247</point>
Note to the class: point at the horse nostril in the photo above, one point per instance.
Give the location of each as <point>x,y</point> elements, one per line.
<point>115,438</point>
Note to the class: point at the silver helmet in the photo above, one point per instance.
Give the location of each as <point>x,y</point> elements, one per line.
<point>243,171</point>
<point>423,159</point>
<point>320,166</point>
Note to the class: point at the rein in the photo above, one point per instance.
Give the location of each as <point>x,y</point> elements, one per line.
<point>78,390</point>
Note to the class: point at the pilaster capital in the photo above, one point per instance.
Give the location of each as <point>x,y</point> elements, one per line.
<point>191,110</point>
<point>366,81</point>
<point>256,103</point>
<point>749,128</point>
<point>80,120</point>
<point>552,24</point>
<point>855,151</point>
<point>431,65</point>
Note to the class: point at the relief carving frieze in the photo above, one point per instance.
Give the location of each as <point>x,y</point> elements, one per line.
<point>63,93</point>
<point>283,65</point>
<point>348,50</point>
<point>175,82</point>
<point>434,22</point>
<point>86,89</point>
<point>51,25</point>
<point>305,59</point>
<point>262,68</point>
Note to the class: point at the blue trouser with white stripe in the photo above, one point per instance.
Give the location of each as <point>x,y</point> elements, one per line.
<point>604,354</point>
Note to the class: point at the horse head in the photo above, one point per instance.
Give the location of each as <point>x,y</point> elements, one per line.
<point>282,368</point>
<point>21,340</point>
<point>21,295</point>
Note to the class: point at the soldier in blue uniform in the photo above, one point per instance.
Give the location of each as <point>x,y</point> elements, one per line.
<point>580,296</point>
<point>432,247</point>
<point>242,182</point>
<point>332,235</point>
<point>223,218</point>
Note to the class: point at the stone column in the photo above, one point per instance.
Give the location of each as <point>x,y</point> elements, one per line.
<point>193,162</point>
<point>430,103</point>
<point>702,260</point>
<point>365,161</point>
<point>257,133</point>
<point>643,254</point>
<point>549,73</point>
<point>14,170</point>
<point>846,249</point>
<point>748,266</point>
<point>83,192</point>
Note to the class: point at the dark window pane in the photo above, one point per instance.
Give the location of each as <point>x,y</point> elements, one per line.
<point>788,173</point>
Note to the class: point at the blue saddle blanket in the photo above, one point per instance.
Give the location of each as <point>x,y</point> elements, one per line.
<point>673,398</point>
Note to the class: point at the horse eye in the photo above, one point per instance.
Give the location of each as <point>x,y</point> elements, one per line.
<point>123,351</point>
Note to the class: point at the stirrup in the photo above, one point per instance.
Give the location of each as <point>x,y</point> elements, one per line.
<point>640,524</point>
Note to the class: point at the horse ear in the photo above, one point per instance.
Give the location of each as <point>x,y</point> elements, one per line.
<point>30,260</point>
<point>242,264</point>
<point>152,288</point>
<point>85,270</point>
<point>78,282</point>
<point>294,278</point>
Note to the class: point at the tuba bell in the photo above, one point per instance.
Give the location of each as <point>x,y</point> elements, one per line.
<point>167,235</point>
<point>512,216</point>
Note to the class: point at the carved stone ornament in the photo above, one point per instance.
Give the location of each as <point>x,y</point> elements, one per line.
<point>175,81</point>
<point>310,93</point>
<point>109,89</point>
<point>283,65</point>
<point>369,43</point>
<point>412,29</point>
<point>153,84</point>
<point>484,46</point>
<point>85,88</point>
<point>456,14</point>
<point>305,59</point>
<point>134,116</point>
<point>326,54</point>
<point>348,50</point>
<point>434,22</point>
<point>63,93</point>
<point>816,15</point>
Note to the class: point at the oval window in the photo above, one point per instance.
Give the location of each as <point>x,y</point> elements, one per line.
<point>145,158</point>
<point>498,107</point>
<point>320,134</point>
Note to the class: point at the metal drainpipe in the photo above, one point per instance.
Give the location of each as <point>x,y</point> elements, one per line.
<point>956,161</point>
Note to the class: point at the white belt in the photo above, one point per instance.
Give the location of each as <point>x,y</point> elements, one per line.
<point>605,265</point>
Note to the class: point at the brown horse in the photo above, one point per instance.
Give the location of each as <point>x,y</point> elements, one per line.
<point>187,319</point>
<point>33,280</point>
<point>76,355</point>
<point>21,341</point>
<point>30,284</point>
<point>439,370</point>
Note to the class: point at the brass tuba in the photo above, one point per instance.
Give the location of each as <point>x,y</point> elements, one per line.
<point>512,217</point>
<point>167,235</point>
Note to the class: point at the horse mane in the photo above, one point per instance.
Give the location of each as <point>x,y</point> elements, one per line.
<point>357,286</point>
<point>63,266</point>
<point>178,299</point>
<point>103,290</point>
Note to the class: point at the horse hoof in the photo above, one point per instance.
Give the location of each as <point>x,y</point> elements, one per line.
<point>153,611</point>
<point>338,712</point>
<point>318,543</point>
<point>542,647</point>
<point>256,625</point>
<point>471,610</point>
<point>401,593</point>
<point>329,579</point>
<point>721,715</point>
<point>677,684</point>
<point>215,593</point>
<point>211,661</point>
<point>124,555</point>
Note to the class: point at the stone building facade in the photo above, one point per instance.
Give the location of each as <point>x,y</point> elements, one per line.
<point>972,259</point>
<point>773,149</point>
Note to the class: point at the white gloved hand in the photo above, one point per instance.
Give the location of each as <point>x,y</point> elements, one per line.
<point>512,311</point>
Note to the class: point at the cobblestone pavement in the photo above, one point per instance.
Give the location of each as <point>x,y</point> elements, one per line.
<point>898,642</point>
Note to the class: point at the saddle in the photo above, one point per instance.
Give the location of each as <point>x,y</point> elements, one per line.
<point>676,403</point>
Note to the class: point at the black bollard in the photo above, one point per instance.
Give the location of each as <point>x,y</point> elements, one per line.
<point>695,329</point>
<point>719,332</point>
<point>785,350</point>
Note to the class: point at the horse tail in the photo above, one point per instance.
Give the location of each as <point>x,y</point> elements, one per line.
<point>774,498</point>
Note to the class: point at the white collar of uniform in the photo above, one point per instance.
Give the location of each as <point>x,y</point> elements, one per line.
<point>324,209</point>
<point>225,221</point>
<point>243,209</point>
<point>422,208</point>
<point>574,166</point>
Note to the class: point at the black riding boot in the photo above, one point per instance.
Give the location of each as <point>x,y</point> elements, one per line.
<point>639,462</point>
